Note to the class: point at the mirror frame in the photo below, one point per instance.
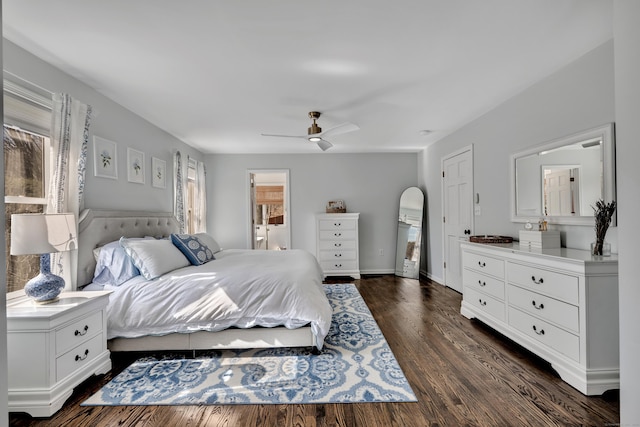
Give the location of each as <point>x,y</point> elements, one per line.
<point>606,132</point>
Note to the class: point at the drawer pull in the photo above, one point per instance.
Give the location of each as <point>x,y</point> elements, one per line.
<point>81,358</point>
<point>537,282</point>
<point>337,224</point>
<point>482,303</point>
<point>83,332</point>
<point>537,307</point>
<point>539,332</point>
<point>481,283</point>
<point>337,245</point>
<point>337,234</point>
<point>337,265</point>
<point>337,255</point>
<point>482,264</point>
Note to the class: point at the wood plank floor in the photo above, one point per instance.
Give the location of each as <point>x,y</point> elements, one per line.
<point>462,372</point>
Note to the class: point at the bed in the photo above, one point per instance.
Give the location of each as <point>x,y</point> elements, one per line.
<point>239,299</point>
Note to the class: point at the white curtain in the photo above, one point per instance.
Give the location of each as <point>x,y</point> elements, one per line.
<point>200,202</point>
<point>70,120</point>
<point>179,184</point>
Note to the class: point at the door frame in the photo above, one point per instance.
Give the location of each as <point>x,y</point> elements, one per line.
<point>287,203</point>
<point>442,202</point>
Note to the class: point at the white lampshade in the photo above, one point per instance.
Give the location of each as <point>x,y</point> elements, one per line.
<point>43,233</point>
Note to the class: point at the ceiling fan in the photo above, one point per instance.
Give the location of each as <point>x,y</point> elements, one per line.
<point>315,133</point>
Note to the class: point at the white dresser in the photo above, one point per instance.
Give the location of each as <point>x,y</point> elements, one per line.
<point>53,348</point>
<point>337,244</point>
<point>562,304</point>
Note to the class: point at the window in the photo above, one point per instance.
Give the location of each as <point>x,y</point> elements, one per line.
<point>27,120</point>
<point>192,174</point>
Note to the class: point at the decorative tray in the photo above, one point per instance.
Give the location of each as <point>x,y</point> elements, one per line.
<point>491,239</point>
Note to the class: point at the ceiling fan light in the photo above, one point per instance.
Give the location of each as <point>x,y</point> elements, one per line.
<point>315,139</point>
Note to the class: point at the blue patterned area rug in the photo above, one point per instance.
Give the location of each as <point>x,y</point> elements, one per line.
<point>355,365</point>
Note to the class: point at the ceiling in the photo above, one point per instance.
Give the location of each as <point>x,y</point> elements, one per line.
<point>216,74</point>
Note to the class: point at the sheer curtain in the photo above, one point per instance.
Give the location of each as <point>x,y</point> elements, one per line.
<point>200,199</point>
<point>179,184</point>
<point>70,120</point>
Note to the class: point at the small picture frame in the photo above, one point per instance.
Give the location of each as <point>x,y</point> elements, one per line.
<point>158,173</point>
<point>135,166</point>
<point>336,206</point>
<point>105,158</point>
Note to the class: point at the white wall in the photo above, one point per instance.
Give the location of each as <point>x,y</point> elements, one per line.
<point>113,122</point>
<point>368,183</point>
<point>577,97</point>
<point>627,90</point>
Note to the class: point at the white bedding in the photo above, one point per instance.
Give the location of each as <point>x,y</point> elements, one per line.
<point>240,288</point>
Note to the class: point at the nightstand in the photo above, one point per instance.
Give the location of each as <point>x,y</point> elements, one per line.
<point>53,348</point>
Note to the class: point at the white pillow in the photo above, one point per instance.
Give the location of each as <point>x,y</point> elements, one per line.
<point>154,257</point>
<point>209,241</point>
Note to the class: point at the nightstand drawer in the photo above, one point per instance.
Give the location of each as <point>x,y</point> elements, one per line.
<point>78,357</point>
<point>338,265</point>
<point>78,332</point>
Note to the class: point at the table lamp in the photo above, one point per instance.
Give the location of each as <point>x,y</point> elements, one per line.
<point>43,234</point>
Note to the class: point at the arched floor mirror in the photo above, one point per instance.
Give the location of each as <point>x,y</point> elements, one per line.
<point>409,233</point>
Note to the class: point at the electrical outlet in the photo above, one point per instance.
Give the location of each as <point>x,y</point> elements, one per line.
<point>381,252</point>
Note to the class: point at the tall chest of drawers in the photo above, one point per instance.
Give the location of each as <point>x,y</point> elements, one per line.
<point>562,304</point>
<point>337,244</point>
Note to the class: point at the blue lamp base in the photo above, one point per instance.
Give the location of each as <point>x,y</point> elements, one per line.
<point>46,286</point>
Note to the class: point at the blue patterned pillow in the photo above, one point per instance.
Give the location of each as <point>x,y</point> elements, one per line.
<point>193,248</point>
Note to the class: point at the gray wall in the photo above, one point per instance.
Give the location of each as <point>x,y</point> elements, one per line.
<point>370,184</point>
<point>113,122</point>
<point>627,90</point>
<point>577,97</point>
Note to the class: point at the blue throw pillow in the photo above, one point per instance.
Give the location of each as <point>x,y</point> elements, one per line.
<point>193,248</point>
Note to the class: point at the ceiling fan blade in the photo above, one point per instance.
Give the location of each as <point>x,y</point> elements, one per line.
<point>324,145</point>
<point>285,136</point>
<point>340,129</point>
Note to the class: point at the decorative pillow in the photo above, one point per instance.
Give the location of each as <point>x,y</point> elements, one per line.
<point>193,248</point>
<point>209,241</point>
<point>113,265</point>
<point>154,257</point>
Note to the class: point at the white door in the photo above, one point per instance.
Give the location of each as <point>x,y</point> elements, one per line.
<point>457,215</point>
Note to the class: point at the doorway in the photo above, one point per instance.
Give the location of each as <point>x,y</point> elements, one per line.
<point>457,211</point>
<point>270,227</point>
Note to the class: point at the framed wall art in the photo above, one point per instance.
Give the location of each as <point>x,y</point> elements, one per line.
<point>158,173</point>
<point>135,166</point>
<point>105,155</point>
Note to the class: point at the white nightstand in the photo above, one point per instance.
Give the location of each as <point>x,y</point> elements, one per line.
<point>53,348</point>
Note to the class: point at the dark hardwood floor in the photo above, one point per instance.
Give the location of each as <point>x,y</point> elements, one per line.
<point>462,372</point>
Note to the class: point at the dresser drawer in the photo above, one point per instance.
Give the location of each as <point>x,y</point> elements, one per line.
<point>338,235</point>
<point>77,357</point>
<point>337,224</point>
<point>78,332</point>
<point>549,309</point>
<point>337,255</point>
<point>557,285</point>
<point>341,265</point>
<point>336,244</point>
<point>547,334</point>
<point>487,284</point>
<point>491,306</point>
<point>484,264</point>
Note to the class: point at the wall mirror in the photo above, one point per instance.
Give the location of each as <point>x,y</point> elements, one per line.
<point>562,179</point>
<point>409,233</point>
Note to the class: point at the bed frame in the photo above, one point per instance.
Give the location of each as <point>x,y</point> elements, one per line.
<point>98,227</point>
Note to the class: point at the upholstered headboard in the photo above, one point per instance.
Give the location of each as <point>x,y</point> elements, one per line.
<point>98,227</point>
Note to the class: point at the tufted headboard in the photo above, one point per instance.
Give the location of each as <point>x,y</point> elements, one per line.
<point>98,227</point>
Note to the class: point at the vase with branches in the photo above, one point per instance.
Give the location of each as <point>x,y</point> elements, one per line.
<point>603,212</point>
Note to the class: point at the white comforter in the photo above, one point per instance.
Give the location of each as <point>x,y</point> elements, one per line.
<point>240,288</point>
